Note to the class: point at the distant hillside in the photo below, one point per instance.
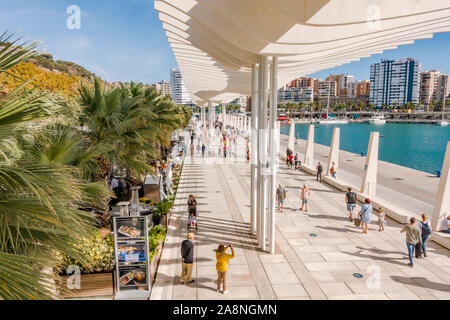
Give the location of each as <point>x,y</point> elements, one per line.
<point>58,77</point>
<point>46,61</point>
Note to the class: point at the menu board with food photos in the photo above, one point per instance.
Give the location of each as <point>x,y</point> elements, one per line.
<point>131,253</point>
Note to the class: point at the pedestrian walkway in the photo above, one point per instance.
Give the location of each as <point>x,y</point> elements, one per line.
<point>317,253</point>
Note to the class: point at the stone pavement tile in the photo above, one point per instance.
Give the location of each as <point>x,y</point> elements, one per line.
<point>440,261</point>
<point>184,292</point>
<point>315,248</point>
<point>235,293</point>
<point>340,256</point>
<point>239,269</point>
<point>402,295</point>
<point>323,276</point>
<point>297,241</point>
<point>310,257</point>
<point>272,258</point>
<point>273,268</point>
<point>327,241</point>
<point>239,280</point>
<point>375,296</point>
<point>206,270</point>
<point>290,291</point>
<point>295,298</point>
<point>283,278</point>
<point>441,295</point>
<point>330,266</point>
<point>335,289</point>
<point>366,286</point>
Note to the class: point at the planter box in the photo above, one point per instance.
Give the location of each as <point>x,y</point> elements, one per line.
<point>91,285</point>
<point>155,262</point>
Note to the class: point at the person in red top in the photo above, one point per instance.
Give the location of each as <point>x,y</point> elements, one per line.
<point>291,161</point>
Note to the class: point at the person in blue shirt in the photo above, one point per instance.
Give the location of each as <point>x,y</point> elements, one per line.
<point>365,215</point>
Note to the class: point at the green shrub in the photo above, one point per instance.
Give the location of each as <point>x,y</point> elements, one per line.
<point>98,250</point>
<point>155,236</point>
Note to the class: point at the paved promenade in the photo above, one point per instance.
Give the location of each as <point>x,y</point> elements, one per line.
<point>304,267</point>
<point>408,188</point>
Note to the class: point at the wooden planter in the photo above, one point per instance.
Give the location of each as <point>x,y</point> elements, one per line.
<point>92,285</point>
<point>155,262</point>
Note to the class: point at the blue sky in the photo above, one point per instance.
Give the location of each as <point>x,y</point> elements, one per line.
<point>122,40</point>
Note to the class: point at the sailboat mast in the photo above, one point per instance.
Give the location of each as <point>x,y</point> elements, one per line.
<point>328,100</point>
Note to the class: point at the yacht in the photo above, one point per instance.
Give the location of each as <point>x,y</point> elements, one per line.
<point>330,120</point>
<point>443,123</point>
<point>377,119</point>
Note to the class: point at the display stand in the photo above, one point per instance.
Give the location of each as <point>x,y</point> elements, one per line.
<point>132,258</point>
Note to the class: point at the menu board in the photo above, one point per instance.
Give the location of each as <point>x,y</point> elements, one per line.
<point>130,227</point>
<point>131,251</point>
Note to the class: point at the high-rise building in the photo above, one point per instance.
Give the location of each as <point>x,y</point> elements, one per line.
<point>327,88</point>
<point>240,101</point>
<point>363,88</point>
<point>343,82</point>
<point>296,94</point>
<point>394,81</point>
<point>443,88</point>
<point>178,91</point>
<point>433,87</point>
<point>163,88</point>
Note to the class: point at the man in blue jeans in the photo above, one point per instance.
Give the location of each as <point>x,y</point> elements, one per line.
<point>412,238</point>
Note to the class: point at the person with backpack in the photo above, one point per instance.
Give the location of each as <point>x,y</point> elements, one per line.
<point>425,228</point>
<point>350,199</point>
<point>412,239</point>
<point>319,172</point>
<point>280,197</point>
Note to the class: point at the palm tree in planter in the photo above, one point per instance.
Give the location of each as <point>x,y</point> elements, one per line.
<point>39,200</point>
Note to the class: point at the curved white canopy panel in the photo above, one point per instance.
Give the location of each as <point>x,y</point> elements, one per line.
<point>215,42</point>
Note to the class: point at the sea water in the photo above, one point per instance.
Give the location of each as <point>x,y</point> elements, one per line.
<point>417,146</point>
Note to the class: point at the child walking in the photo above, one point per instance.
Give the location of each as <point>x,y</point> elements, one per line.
<point>381,219</point>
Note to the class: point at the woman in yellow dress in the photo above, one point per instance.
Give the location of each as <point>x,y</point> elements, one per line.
<point>222,266</point>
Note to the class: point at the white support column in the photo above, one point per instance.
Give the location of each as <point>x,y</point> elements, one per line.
<point>442,202</point>
<point>309,152</point>
<point>369,182</point>
<point>291,136</point>
<point>254,151</point>
<point>273,143</point>
<point>334,151</point>
<point>262,145</point>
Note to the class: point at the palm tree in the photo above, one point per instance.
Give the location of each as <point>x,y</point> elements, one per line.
<point>39,199</point>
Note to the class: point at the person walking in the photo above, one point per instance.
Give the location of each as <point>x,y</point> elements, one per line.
<point>203,150</point>
<point>187,258</point>
<point>319,172</point>
<point>381,219</point>
<point>296,161</point>
<point>412,238</point>
<point>306,194</point>
<point>333,170</point>
<point>350,200</point>
<point>222,266</point>
<point>425,232</point>
<point>281,197</point>
<point>365,215</point>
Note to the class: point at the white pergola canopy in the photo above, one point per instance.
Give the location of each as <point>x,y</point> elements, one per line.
<point>216,42</point>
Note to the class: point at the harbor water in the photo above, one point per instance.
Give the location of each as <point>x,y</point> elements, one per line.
<point>416,146</point>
